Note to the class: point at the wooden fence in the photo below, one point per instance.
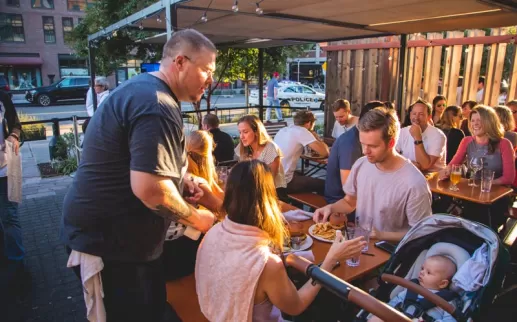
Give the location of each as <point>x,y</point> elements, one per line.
<point>368,69</point>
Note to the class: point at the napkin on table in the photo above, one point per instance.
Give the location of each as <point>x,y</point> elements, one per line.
<point>297,215</point>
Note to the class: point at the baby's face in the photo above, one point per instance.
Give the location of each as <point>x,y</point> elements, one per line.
<point>433,275</point>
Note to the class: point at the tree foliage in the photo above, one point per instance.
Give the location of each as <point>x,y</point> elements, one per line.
<point>121,46</point>
<point>242,63</point>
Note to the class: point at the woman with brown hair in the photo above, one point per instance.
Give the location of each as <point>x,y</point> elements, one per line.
<point>466,108</point>
<point>449,124</point>
<point>488,143</point>
<point>255,144</point>
<point>239,275</point>
<point>506,118</point>
<point>439,105</point>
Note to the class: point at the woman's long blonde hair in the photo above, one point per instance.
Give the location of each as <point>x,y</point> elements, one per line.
<point>506,117</point>
<point>200,147</point>
<point>260,132</point>
<point>447,119</point>
<point>250,199</point>
<point>491,124</point>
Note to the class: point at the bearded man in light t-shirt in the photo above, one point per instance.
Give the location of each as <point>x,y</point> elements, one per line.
<point>292,140</point>
<point>422,143</point>
<point>382,185</point>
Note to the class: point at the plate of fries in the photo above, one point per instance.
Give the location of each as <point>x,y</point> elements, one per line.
<point>324,231</point>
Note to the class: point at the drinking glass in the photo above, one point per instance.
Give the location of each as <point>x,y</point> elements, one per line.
<point>455,177</point>
<point>363,226</point>
<point>351,232</point>
<point>222,174</point>
<point>475,164</point>
<point>487,177</point>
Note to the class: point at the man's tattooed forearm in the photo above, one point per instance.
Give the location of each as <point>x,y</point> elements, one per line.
<point>174,214</point>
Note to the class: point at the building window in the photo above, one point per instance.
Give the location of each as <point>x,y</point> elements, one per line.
<point>49,32</point>
<point>68,26</point>
<point>13,3</point>
<point>79,5</point>
<point>11,27</point>
<point>43,4</point>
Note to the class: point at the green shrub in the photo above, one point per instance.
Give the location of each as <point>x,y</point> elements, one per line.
<point>65,162</point>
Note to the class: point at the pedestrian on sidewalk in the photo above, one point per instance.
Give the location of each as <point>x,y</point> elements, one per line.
<point>272,98</point>
<point>132,182</point>
<point>10,130</point>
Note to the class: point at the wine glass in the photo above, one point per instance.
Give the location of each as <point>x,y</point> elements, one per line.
<point>475,164</point>
<point>455,177</point>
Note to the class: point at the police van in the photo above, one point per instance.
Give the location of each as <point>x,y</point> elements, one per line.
<point>292,95</point>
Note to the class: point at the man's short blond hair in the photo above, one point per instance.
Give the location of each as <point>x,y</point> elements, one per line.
<point>341,104</point>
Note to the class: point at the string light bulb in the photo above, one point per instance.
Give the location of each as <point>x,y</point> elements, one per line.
<point>235,7</point>
<point>259,10</point>
<point>204,18</point>
<point>141,27</point>
<point>114,34</point>
<point>158,19</point>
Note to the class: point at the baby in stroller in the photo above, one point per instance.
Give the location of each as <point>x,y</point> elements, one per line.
<point>436,274</point>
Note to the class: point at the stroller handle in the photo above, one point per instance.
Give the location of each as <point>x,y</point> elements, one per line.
<point>428,295</point>
<point>345,290</point>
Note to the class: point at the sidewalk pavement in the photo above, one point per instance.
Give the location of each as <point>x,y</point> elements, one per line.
<point>54,292</point>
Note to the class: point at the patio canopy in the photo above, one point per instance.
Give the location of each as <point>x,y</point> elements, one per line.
<point>294,21</point>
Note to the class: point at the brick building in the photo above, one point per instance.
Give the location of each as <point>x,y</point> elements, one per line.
<point>32,46</point>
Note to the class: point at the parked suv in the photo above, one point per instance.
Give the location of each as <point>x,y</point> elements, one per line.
<point>4,86</point>
<point>71,87</point>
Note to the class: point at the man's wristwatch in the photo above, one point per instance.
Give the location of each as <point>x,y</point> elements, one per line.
<point>417,142</point>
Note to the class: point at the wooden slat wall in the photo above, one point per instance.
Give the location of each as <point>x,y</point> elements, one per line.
<point>394,73</point>
<point>331,90</point>
<point>452,67</point>
<point>433,61</point>
<point>371,76</point>
<point>512,86</point>
<point>361,75</point>
<point>472,67</point>
<point>356,101</point>
<point>494,70</point>
<point>413,74</point>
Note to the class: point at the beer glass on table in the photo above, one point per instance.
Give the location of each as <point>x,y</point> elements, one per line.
<point>455,177</point>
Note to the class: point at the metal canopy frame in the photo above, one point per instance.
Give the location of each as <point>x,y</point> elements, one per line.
<point>289,22</point>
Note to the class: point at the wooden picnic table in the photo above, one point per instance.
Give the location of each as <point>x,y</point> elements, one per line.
<point>181,294</point>
<point>472,194</point>
<point>344,272</point>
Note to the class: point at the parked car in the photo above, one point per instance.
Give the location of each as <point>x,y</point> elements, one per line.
<point>71,87</point>
<point>4,86</point>
<point>295,95</point>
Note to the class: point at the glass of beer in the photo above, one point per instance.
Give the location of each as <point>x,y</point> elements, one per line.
<point>455,177</point>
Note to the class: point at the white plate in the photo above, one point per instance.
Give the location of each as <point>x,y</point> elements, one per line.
<point>311,229</point>
<point>306,244</point>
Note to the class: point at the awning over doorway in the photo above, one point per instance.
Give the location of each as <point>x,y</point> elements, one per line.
<point>21,61</point>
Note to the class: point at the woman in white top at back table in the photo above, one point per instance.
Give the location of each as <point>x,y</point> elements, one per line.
<point>256,144</point>
<point>102,92</point>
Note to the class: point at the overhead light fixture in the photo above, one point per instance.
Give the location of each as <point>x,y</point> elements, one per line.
<point>141,27</point>
<point>432,18</point>
<point>158,19</point>
<point>235,7</point>
<point>256,40</point>
<point>204,18</point>
<point>259,10</point>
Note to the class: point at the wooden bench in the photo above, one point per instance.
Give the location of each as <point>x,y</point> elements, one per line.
<point>309,199</point>
<point>273,128</point>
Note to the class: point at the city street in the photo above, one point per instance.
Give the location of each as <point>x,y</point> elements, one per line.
<point>62,110</point>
